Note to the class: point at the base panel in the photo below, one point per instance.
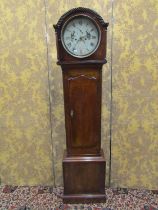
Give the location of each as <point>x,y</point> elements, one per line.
<point>84,179</point>
<point>84,198</point>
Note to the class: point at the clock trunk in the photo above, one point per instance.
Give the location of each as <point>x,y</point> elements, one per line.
<point>82,95</point>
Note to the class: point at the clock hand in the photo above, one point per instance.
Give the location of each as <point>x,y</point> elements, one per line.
<point>80,39</point>
<point>88,35</point>
<point>80,30</point>
<point>76,42</point>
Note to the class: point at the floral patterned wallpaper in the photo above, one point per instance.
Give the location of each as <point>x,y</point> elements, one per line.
<point>25,143</point>
<point>135,89</point>
<point>32,133</point>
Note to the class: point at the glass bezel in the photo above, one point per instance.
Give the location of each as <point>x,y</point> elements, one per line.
<point>62,33</point>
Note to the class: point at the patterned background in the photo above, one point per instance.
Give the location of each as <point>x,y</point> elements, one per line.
<point>32,135</point>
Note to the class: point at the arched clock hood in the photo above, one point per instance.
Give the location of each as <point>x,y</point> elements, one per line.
<point>79,10</point>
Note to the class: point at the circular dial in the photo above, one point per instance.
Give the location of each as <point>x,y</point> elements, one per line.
<point>80,36</point>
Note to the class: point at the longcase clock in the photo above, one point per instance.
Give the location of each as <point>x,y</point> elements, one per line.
<point>81,52</point>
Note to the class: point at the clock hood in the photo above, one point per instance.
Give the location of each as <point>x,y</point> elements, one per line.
<point>76,11</point>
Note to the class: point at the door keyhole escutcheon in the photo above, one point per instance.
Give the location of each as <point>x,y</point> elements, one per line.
<point>72,113</point>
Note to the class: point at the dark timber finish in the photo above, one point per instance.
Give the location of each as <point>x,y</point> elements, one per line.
<point>84,178</point>
<point>83,162</point>
<point>82,94</point>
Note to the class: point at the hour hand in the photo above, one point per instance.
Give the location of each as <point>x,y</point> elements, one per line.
<point>88,35</point>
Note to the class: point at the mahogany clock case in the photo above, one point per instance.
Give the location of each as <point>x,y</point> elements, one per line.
<point>83,163</point>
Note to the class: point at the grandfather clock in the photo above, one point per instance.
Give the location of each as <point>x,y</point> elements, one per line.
<point>81,51</point>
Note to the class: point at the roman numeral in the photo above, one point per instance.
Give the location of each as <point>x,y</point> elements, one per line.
<point>69,44</point>
<point>80,22</point>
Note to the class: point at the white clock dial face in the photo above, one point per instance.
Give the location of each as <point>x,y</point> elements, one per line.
<point>80,36</point>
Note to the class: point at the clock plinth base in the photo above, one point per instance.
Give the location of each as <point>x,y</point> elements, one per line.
<point>84,178</point>
<point>84,198</point>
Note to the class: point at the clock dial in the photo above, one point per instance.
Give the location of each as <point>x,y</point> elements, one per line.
<point>80,36</point>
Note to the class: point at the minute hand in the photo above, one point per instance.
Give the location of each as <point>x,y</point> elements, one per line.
<point>77,42</point>
<point>80,39</point>
<point>80,30</point>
